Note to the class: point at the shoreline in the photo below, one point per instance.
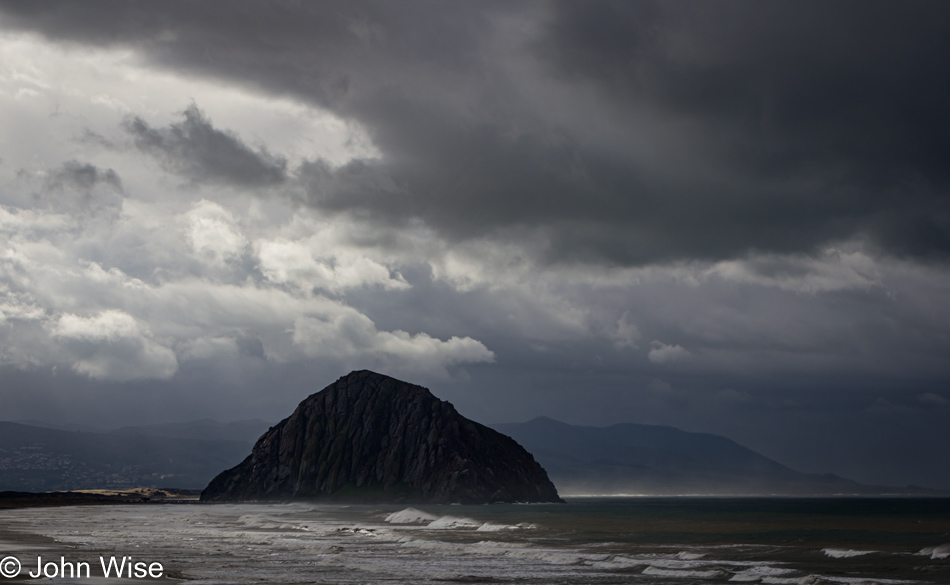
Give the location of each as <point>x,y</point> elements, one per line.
<point>12,500</point>
<point>584,543</point>
<point>27,547</point>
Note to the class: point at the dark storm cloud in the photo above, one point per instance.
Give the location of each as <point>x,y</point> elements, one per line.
<point>195,149</point>
<point>758,135</point>
<point>782,85</point>
<point>767,126</point>
<point>829,117</point>
<point>76,186</point>
<point>82,177</point>
<point>90,138</point>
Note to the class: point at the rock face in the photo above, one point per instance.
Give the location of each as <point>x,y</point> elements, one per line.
<point>372,438</point>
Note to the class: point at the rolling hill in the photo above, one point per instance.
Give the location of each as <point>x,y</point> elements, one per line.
<point>647,459</point>
<point>35,458</point>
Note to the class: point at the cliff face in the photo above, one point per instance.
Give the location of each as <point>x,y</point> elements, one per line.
<point>369,437</point>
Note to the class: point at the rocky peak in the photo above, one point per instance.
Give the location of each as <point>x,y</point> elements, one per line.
<point>369,437</point>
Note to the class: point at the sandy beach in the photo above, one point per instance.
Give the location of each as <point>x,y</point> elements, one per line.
<point>27,546</point>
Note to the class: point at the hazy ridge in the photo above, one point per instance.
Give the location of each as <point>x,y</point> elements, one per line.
<point>188,455</point>
<point>620,459</point>
<point>633,458</point>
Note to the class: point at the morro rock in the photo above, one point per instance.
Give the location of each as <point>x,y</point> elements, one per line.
<point>372,438</point>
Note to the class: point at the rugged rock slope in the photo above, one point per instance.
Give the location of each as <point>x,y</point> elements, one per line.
<point>369,437</point>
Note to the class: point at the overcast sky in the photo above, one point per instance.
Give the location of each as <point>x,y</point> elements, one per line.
<point>730,217</point>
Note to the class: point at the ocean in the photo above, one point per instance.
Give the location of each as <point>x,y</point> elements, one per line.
<point>639,540</point>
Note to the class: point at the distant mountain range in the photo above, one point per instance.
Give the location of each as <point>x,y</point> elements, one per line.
<point>187,455</point>
<point>648,459</point>
<point>620,459</point>
<point>207,429</point>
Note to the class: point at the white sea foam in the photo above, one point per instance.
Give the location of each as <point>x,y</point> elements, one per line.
<point>491,527</point>
<point>689,556</point>
<point>807,580</point>
<point>756,573</point>
<point>410,516</point>
<point>229,543</point>
<point>677,563</point>
<point>449,522</point>
<point>817,579</point>
<point>680,573</point>
<point>549,556</point>
<point>837,553</point>
<point>494,544</point>
<point>937,552</point>
<point>359,531</point>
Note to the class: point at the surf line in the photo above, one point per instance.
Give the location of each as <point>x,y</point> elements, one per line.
<point>122,567</point>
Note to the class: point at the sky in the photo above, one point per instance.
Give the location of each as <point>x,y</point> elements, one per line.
<point>728,217</point>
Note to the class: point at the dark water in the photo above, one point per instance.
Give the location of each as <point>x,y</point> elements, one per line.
<point>683,540</point>
<point>805,540</point>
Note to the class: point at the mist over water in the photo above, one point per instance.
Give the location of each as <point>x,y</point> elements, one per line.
<point>586,541</point>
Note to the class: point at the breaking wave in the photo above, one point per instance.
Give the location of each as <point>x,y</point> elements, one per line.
<point>433,522</point>
<point>937,552</point>
<point>410,516</point>
<point>837,553</point>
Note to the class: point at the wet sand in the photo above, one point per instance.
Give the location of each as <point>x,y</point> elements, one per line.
<point>28,546</point>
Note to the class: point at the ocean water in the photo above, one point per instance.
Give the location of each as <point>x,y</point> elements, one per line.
<point>586,541</point>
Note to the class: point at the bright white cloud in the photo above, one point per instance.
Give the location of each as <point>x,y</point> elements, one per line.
<point>307,265</point>
<point>213,233</point>
<point>17,306</point>
<point>108,326</point>
<point>348,334</point>
<point>197,267</point>
<point>97,87</point>
<point>112,345</point>
<point>192,300</point>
